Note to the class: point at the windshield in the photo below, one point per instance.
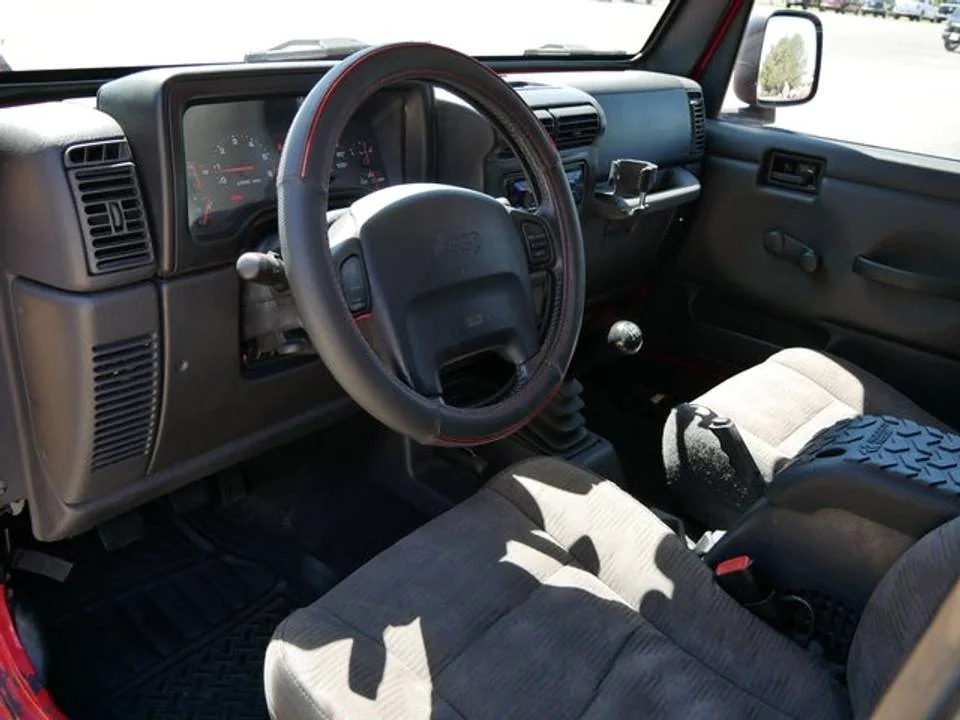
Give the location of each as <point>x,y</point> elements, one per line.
<point>54,34</point>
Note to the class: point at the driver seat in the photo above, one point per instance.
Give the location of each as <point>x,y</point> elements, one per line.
<point>551,593</point>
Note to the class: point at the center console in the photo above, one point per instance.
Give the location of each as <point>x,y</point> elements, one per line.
<point>837,517</point>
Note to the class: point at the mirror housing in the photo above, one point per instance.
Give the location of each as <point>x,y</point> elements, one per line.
<point>779,61</point>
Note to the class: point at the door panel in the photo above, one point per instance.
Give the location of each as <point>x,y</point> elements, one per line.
<point>885,229</point>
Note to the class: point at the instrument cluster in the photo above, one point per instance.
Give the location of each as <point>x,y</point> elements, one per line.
<point>232,150</point>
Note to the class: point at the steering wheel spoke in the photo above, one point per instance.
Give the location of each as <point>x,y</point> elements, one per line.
<point>535,228</point>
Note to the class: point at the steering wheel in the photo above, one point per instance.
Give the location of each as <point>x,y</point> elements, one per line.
<point>436,272</point>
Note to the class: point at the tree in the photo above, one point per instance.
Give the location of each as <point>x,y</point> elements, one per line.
<point>784,66</point>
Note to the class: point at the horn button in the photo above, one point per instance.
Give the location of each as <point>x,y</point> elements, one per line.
<point>448,277</point>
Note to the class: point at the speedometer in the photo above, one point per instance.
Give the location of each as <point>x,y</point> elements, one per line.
<point>241,170</point>
<point>242,167</point>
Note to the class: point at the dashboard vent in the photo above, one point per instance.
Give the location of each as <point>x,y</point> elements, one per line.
<point>576,126</point>
<point>569,127</point>
<point>698,123</point>
<point>109,206</point>
<point>547,120</point>
<point>97,153</point>
<point>126,377</point>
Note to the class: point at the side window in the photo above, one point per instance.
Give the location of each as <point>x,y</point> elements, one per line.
<point>889,71</point>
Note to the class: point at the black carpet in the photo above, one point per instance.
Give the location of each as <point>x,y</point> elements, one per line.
<point>332,494</point>
<point>619,406</point>
<point>176,624</point>
<point>173,626</point>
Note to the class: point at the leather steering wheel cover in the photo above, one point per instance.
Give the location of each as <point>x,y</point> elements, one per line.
<point>303,194</point>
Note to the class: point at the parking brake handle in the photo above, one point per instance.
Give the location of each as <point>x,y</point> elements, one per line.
<point>733,446</point>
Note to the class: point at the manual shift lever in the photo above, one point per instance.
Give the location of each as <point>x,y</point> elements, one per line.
<point>625,337</point>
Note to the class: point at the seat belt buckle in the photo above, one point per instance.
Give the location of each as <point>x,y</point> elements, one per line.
<point>738,578</point>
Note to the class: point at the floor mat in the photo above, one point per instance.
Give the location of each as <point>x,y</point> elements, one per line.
<point>169,627</point>
<point>332,494</point>
<point>618,405</point>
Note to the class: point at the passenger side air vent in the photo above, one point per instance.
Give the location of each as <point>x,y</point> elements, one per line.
<point>698,123</point>
<point>126,388</point>
<point>109,206</point>
<point>569,127</point>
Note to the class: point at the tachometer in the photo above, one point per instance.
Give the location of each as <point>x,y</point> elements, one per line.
<point>357,165</point>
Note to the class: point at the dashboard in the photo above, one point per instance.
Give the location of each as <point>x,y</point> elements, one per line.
<point>232,150</point>
<point>138,361</point>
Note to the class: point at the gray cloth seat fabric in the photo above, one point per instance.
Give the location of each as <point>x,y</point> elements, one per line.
<point>551,593</point>
<point>777,407</point>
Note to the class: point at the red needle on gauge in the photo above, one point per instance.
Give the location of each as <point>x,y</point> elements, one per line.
<point>196,176</point>
<point>238,169</point>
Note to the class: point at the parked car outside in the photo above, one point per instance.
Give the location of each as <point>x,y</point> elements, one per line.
<point>915,10</point>
<point>840,6</point>
<point>805,4</point>
<point>951,33</point>
<point>877,8</point>
<point>945,10</point>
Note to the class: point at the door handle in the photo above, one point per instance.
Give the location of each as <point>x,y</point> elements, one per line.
<point>907,279</point>
<point>793,172</point>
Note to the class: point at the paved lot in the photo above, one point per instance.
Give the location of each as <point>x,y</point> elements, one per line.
<point>884,82</point>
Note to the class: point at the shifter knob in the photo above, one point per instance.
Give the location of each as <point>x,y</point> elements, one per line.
<point>626,337</point>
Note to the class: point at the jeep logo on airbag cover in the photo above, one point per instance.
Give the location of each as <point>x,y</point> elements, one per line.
<point>457,243</point>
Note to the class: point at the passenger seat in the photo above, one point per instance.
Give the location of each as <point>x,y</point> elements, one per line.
<point>777,407</point>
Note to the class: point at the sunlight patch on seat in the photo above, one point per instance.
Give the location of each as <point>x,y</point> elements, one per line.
<point>531,559</point>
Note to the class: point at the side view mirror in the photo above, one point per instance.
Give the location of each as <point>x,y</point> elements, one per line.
<point>779,60</point>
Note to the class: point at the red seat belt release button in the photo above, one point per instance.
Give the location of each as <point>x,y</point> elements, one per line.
<point>737,578</point>
<point>738,564</point>
<point>739,581</point>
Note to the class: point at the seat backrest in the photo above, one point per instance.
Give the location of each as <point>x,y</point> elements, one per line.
<point>899,610</point>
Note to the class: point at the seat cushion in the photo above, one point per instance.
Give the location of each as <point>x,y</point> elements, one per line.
<point>899,611</point>
<point>777,406</point>
<point>549,594</point>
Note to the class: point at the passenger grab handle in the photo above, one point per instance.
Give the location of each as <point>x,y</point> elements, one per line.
<point>640,187</point>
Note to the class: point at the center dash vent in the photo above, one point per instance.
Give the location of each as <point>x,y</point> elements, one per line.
<point>126,389</point>
<point>698,123</point>
<point>569,127</point>
<point>109,205</point>
<point>576,126</point>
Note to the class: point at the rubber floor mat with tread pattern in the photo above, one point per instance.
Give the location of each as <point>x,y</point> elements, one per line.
<point>166,628</point>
